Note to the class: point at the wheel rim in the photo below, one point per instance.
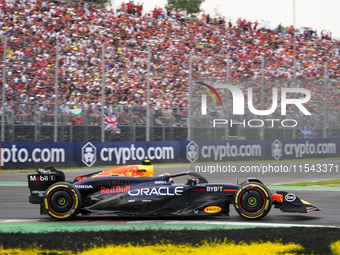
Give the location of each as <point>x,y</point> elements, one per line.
<point>252,201</point>
<point>61,201</point>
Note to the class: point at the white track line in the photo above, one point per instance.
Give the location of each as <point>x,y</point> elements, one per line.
<point>232,223</point>
<point>192,223</point>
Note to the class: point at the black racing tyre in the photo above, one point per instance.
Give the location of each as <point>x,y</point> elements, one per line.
<point>253,200</point>
<point>62,201</point>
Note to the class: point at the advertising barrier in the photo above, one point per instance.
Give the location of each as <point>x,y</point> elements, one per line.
<point>21,155</point>
<point>271,149</point>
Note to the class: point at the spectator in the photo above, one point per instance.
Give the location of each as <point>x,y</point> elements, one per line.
<point>123,8</point>
<point>139,9</point>
<point>130,7</point>
<point>81,30</point>
<point>291,30</point>
<point>204,17</point>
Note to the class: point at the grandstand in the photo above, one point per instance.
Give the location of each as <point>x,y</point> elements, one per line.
<point>33,28</point>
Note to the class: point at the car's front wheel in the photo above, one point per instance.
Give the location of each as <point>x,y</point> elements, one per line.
<point>253,200</point>
<point>62,201</point>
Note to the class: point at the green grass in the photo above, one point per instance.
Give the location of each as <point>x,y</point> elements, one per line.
<point>327,183</point>
<point>15,171</point>
<point>28,170</point>
<point>259,161</point>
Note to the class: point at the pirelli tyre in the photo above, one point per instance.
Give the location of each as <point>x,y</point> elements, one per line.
<point>253,200</point>
<point>62,201</point>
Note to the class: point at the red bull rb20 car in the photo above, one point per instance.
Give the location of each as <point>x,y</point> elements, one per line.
<point>134,191</point>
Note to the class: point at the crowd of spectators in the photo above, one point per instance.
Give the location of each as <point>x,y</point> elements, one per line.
<point>132,8</point>
<point>33,27</point>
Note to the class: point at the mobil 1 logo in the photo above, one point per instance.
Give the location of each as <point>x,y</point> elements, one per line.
<point>42,178</point>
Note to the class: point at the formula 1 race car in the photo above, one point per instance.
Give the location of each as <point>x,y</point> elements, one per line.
<point>133,191</point>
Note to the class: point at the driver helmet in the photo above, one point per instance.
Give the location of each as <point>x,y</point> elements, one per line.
<point>191,181</point>
<point>170,179</point>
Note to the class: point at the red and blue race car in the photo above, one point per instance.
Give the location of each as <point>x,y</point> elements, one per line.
<point>133,191</point>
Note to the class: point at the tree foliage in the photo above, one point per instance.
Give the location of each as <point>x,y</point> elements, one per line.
<point>193,6</point>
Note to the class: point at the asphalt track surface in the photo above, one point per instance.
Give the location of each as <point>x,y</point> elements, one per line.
<point>14,203</point>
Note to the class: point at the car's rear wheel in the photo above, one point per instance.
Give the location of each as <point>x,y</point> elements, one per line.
<point>253,200</point>
<point>62,201</point>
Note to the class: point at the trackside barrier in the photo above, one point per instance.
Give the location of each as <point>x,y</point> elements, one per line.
<point>21,155</point>
<point>271,149</point>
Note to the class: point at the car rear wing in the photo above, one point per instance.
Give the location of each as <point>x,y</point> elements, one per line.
<point>39,182</point>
